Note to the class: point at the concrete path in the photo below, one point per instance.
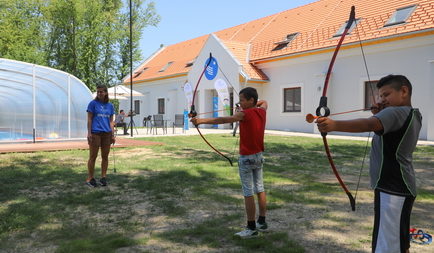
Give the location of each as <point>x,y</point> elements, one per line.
<point>127,140</point>
<point>142,132</point>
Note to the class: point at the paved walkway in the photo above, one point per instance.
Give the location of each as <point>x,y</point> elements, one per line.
<point>142,132</point>
<point>127,140</point>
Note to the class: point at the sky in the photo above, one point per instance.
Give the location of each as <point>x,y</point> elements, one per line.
<point>183,20</point>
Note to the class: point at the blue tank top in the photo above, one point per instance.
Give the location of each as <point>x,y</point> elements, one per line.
<point>101,113</point>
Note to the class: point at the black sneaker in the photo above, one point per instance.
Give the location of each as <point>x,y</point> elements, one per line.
<point>103,181</point>
<point>92,183</point>
<point>262,226</point>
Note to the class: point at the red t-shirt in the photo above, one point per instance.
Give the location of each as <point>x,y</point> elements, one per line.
<point>252,129</point>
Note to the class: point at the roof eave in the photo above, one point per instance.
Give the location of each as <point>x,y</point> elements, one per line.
<point>257,81</point>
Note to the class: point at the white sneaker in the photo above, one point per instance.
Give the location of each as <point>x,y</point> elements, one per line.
<point>248,233</point>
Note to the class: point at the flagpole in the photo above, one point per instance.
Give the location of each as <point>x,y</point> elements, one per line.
<point>131,67</point>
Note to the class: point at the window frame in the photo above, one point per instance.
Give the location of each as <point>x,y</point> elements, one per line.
<point>341,29</point>
<point>284,43</point>
<point>284,100</point>
<point>367,96</point>
<point>138,73</point>
<point>411,8</point>
<point>166,66</point>
<point>137,106</point>
<point>163,111</point>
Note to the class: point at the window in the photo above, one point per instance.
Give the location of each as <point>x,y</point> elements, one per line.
<point>166,66</point>
<point>136,74</point>
<point>400,15</point>
<point>284,43</point>
<point>161,106</point>
<point>292,99</point>
<point>137,106</point>
<point>342,29</point>
<point>190,63</point>
<point>371,92</point>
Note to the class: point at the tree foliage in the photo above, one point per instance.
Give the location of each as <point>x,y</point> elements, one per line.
<point>87,38</point>
<point>22,30</point>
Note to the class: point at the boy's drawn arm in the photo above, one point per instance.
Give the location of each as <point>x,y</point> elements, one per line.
<point>352,126</point>
<point>376,108</point>
<point>238,116</point>
<point>262,104</point>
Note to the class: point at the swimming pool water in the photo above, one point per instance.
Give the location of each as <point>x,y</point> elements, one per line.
<point>7,136</point>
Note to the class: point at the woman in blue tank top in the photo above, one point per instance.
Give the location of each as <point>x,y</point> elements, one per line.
<point>100,133</point>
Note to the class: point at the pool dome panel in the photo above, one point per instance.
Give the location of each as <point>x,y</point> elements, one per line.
<point>41,103</point>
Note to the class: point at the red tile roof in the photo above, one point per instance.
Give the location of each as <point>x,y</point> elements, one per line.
<point>317,32</point>
<point>240,51</point>
<point>180,54</point>
<point>316,24</point>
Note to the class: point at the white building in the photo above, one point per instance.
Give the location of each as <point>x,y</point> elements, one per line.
<point>286,56</point>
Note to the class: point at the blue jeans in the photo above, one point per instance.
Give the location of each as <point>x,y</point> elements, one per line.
<point>250,169</point>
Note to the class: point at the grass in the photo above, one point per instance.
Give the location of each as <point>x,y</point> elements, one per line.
<point>183,197</point>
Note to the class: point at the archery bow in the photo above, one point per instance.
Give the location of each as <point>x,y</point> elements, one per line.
<point>193,112</point>
<point>323,111</point>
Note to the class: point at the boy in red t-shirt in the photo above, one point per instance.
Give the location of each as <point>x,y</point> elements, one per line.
<point>252,126</point>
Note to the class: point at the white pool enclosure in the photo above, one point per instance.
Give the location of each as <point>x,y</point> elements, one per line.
<point>41,103</point>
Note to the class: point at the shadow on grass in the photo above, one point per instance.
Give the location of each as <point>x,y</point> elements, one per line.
<point>213,233</point>
<point>40,195</point>
<point>44,203</point>
<point>167,189</point>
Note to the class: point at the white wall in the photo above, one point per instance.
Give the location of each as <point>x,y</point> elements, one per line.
<point>412,58</point>
<point>229,69</point>
<point>429,115</point>
<point>169,89</point>
<point>407,57</point>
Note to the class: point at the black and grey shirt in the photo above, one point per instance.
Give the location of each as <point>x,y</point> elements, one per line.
<point>391,167</point>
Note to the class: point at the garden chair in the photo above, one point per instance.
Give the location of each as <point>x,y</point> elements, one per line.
<point>179,122</point>
<point>159,122</point>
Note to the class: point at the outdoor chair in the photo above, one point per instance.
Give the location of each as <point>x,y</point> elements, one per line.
<point>147,122</point>
<point>179,122</point>
<point>159,122</point>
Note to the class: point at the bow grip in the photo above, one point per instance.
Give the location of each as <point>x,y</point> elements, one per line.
<point>323,108</point>
<point>193,112</point>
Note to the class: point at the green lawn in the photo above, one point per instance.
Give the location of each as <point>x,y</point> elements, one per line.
<point>183,197</point>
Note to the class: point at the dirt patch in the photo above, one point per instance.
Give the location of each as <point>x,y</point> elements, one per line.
<point>144,153</point>
<point>67,145</point>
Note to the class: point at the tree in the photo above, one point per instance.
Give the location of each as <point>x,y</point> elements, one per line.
<point>22,30</point>
<point>87,38</point>
<point>63,19</point>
